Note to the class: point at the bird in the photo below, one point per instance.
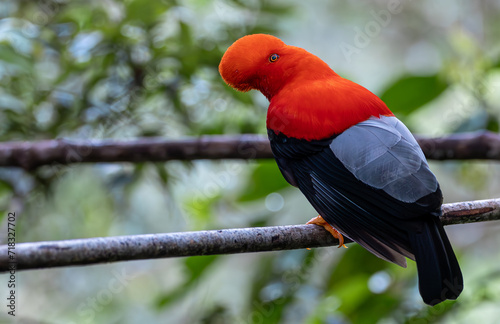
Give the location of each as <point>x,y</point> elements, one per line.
<point>355,162</point>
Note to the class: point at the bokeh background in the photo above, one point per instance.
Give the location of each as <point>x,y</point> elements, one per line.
<point>127,69</point>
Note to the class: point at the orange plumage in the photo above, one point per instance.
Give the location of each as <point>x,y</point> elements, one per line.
<point>303,97</point>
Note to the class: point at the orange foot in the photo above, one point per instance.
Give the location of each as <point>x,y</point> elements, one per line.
<point>318,220</point>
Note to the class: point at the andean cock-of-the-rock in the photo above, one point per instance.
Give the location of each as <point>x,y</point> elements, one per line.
<point>354,161</point>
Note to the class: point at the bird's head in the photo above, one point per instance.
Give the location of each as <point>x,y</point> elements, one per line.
<point>265,63</point>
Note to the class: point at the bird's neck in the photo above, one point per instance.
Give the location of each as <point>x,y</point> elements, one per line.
<point>321,109</point>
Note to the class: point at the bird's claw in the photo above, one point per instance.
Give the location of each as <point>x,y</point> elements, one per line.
<point>318,220</point>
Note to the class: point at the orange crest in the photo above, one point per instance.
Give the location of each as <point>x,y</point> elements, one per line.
<point>308,99</point>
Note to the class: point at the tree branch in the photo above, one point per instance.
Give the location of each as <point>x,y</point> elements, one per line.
<point>30,155</point>
<point>243,240</point>
<point>482,145</point>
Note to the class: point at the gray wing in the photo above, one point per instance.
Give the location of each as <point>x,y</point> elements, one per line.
<point>382,153</point>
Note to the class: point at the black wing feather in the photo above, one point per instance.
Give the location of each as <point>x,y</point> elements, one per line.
<point>384,225</point>
<point>357,210</point>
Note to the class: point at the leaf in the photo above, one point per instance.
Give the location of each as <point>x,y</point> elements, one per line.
<point>6,186</point>
<point>162,173</point>
<point>412,92</point>
<point>195,267</point>
<point>279,271</point>
<point>265,179</point>
<point>493,124</point>
<point>433,314</point>
<point>146,11</point>
<point>199,208</point>
<point>349,265</point>
<point>349,283</point>
<point>10,56</point>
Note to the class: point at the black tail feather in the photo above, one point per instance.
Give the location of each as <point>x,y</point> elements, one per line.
<point>439,274</point>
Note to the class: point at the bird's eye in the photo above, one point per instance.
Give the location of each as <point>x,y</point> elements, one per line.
<point>273,58</point>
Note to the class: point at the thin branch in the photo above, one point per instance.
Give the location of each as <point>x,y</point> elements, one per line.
<point>243,240</point>
<point>30,155</point>
<point>462,146</point>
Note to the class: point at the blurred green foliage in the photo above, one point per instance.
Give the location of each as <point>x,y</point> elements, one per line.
<point>410,93</point>
<point>265,175</point>
<point>126,69</point>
